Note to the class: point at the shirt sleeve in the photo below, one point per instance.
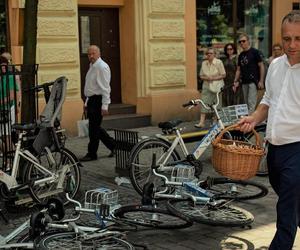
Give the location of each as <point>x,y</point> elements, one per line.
<point>103,80</point>
<point>266,98</point>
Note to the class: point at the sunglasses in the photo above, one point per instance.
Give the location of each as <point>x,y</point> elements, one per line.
<point>209,53</point>
<point>242,41</point>
<point>229,49</point>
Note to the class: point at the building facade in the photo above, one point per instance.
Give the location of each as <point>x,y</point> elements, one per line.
<point>150,45</point>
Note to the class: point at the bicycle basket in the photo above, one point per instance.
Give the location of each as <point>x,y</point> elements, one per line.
<point>235,159</point>
<point>95,197</point>
<point>183,173</point>
<point>231,114</point>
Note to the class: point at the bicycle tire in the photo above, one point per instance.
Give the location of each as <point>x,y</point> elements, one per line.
<point>250,137</point>
<point>234,189</point>
<point>149,216</point>
<point>71,240</point>
<point>62,157</point>
<point>218,215</point>
<point>140,159</point>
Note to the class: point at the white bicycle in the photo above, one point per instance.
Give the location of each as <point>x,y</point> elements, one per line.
<point>47,168</point>
<point>140,159</point>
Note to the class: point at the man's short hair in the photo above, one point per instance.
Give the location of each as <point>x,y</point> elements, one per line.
<point>292,17</point>
<point>244,35</point>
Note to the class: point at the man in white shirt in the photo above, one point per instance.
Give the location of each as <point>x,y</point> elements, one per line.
<point>97,92</point>
<point>281,105</point>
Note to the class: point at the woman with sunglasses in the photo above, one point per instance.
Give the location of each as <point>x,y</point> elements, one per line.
<point>230,97</point>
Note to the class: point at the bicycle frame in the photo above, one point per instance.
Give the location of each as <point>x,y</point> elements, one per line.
<point>11,180</point>
<point>201,146</point>
<point>196,193</point>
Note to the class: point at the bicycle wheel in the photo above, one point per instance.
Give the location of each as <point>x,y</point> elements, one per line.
<point>71,180</point>
<point>149,216</point>
<point>263,166</point>
<point>234,189</point>
<point>220,214</point>
<point>71,240</point>
<point>140,161</point>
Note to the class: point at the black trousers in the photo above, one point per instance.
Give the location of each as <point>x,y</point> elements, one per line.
<point>284,175</point>
<point>96,132</point>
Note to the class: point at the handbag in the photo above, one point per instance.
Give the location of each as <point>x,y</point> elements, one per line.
<point>83,126</point>
<point>216,85</point>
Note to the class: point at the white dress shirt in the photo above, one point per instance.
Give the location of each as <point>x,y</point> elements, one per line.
<point>283,98</point>
<point>97,82</point>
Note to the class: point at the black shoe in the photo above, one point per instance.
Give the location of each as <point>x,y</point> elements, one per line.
<point>88,158</point>
<point>112,154</point>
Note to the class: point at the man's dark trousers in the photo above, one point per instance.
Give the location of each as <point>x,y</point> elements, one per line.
<point>284,175</point>
<point>96,132</point>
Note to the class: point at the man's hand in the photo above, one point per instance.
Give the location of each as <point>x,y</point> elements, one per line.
<point>247,123</point>
<point>104,112</point>
<point>260,85</point>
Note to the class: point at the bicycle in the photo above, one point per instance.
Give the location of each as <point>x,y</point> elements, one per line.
<point>46,231</point>
<point>193,200</point>
<point>104,230</point>
<point>140,158</point>
<point>45,172</point>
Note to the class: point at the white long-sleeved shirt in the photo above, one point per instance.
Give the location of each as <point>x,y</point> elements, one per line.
<point>97,82</point>
<point>283,98</point>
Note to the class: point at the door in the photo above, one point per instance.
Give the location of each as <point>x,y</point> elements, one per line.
<point>101,27</point>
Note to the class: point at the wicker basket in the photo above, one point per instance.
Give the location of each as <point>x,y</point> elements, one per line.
<point>237,160</point>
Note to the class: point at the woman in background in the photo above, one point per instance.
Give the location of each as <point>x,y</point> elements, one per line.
<point>230,64</point>
<point>276,52</point>
<point>212,69</point>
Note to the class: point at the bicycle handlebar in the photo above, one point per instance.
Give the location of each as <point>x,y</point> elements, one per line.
<point>190,103</point>
<point>42,86</point>
<point>45,85</point>
<point>196,102</point>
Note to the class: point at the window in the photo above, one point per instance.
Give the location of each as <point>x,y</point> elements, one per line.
<point>222,21</point>
<point>296,6</point>
<point>85,33</point>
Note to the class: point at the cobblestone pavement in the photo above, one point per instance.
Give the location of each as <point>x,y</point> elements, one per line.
<point>102,173</point>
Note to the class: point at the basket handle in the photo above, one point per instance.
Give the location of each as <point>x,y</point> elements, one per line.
<point>234,127</point>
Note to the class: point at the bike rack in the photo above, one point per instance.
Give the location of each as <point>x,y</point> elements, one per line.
<point>125,141</point>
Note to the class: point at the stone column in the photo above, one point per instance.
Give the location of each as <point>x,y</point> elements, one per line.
<point>163,37</point>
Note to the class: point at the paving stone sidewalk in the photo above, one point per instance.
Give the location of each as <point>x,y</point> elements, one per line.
<point>102,173</point>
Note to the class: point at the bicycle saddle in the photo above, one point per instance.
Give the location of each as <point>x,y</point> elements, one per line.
<point>169,124</point>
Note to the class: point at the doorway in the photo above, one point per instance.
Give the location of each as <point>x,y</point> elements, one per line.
<point>101,27</point>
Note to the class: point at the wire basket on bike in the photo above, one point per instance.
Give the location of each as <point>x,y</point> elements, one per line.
<point>183,173</point>
<point>235,159</point>
<point>231,114</point>
<point>96,197</point>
